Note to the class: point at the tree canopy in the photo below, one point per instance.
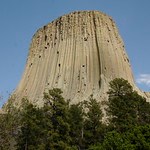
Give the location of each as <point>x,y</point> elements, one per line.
<point>60,125</point>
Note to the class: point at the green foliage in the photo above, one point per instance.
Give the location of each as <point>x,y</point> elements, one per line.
<point>5,130</point>
<point>9,122</point>
<point>113,140</point>
<point>125,107</point>
<point>59,125</point>
<point>85,123</point>
<point>119,87</point>
<point>93,125</point>
<point>31,133</point>
<point>96,147</point>
<point>143,111</point>
<point>139,137</point>
<point>58,110</point>
<point>76,121</point>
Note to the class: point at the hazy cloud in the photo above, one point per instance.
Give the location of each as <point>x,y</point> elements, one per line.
<point>143,79</point>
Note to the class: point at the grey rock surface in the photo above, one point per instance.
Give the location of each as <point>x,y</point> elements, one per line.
<point>80,53</point>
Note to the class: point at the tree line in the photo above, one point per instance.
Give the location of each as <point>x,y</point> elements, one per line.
<point>59,125</point>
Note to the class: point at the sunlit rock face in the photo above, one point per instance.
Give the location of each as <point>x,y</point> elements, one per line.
<point>79,53</point>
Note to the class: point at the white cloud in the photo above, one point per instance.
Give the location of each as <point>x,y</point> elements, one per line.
<point>143,79</point>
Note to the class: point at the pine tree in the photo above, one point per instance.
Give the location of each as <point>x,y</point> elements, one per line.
<point>59,110</point>
<point>93,122</point>
<point>76,120</point>
<point>125,107</point>
<point>9,122</point>
<point>31,134</point>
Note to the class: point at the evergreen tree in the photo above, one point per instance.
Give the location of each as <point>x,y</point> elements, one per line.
<point>119,87</point>
<point>125,107</point>
<point>9,122</point>
<point>76,120</point>
<point>93,128</point>
<point>59,110</point>
<point>31,134</point>
<point>143,111</point>
<point>138,137</point>
<point>60,125</point>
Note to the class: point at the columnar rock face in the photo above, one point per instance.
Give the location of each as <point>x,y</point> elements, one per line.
<point>79,53</point>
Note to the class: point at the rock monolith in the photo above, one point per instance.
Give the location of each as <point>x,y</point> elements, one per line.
<point>80,53</point>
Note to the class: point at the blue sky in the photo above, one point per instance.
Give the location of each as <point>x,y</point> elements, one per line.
<point>19,20</point>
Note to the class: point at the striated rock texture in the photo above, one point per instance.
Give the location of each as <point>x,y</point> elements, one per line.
<point>79,53</point>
